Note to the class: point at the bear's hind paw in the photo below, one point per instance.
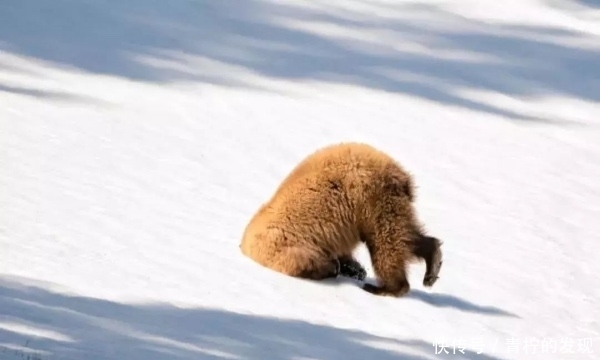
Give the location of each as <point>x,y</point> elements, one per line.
<point>429,280</point>
<point>352,269</point>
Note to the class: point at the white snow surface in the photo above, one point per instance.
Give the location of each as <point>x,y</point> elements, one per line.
<point>137,138</point>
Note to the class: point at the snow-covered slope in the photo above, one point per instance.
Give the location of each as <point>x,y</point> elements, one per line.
<point>138,137</point>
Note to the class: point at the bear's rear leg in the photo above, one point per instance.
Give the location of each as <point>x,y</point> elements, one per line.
<point>321,271</point>
<point>306,263</point>
<point>428,248</point>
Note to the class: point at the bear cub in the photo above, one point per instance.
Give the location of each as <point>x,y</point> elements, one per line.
<point>335,199</point>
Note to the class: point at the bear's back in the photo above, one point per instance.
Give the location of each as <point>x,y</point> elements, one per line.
<point>350,159</point>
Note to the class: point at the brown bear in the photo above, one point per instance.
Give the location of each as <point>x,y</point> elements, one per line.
<point>336,198</point>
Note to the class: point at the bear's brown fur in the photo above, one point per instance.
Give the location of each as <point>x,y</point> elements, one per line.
<point>335,198</point>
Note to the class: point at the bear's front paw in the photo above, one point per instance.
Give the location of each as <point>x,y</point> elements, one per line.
<point>376,290</point>
<point>383,291</point>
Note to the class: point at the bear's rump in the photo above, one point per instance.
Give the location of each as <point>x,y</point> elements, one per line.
<point>273,245</point>
<point>274,249</point>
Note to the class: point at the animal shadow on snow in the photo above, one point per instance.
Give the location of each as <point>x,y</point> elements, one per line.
<point>434,298</point>
<point>74,327</point>
<point>212,41</point>
<point>450,301</point>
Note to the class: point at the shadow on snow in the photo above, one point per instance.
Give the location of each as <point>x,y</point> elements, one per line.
<point>78,327</point>
<point>182,40</point>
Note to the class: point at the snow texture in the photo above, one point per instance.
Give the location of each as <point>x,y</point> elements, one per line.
<point>137,137</point>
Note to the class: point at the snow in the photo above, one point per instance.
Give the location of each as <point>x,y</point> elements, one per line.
<point>137,139</point>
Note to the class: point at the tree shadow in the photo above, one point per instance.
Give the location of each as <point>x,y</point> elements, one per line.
<point>48,94</point>
<point>72,327</point>
<point>590,3</point>
<point>215,41</point>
